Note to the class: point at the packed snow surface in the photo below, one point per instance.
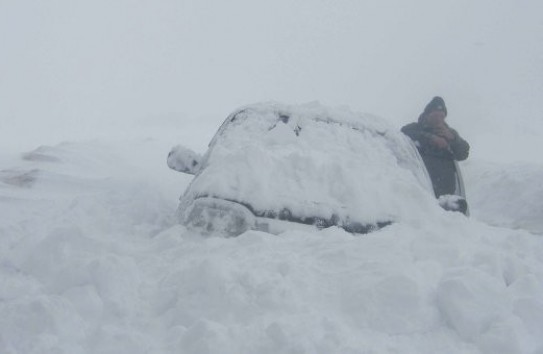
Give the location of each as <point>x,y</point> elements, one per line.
<point>92,260</point>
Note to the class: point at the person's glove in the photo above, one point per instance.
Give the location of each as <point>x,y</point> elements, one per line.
<point>439,142</point>
<point>444,132</point>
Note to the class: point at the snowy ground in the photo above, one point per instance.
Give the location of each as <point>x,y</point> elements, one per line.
<point>92,261</point>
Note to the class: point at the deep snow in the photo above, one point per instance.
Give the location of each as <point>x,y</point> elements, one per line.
<point>93,94</point>
<point>92,261</point>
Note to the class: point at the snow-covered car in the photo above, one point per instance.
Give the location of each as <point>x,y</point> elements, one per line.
<point>273,167</point>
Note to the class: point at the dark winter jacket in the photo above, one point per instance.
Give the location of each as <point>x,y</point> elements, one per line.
<point>439,162</point>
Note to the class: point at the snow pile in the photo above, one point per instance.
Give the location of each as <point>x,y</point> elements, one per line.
<point>92,261</point>
<point>436,288</point>
<point>507,194</point>
<point>315,161</point>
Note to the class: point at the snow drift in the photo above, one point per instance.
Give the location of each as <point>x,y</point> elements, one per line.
<point>92,261</point>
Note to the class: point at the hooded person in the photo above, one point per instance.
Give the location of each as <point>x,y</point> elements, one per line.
<point>439,145</point>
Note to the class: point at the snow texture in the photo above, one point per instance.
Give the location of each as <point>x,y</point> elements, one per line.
<point>511,193</point>
<point>93,261</point>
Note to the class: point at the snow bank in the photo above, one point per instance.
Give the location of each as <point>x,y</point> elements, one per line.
<point>507,194</point>
<point>91,261</point>
<point>426,289</point>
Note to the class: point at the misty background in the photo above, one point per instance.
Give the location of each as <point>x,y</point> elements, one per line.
<point>86,69</point>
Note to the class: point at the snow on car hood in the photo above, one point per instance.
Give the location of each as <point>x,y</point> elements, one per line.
<point>314,161</point>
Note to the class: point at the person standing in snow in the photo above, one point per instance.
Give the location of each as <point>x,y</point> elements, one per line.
<point>439,145</point>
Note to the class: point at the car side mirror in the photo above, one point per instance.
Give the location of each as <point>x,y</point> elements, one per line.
<point>184,160</point>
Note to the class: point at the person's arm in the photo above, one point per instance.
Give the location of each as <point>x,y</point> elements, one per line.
<point>425,138</point>
<point>459,147</point>
<point>413,131</point>
<point>455,144</point>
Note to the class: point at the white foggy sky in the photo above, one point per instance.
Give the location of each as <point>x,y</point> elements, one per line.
<point>76,67</point>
